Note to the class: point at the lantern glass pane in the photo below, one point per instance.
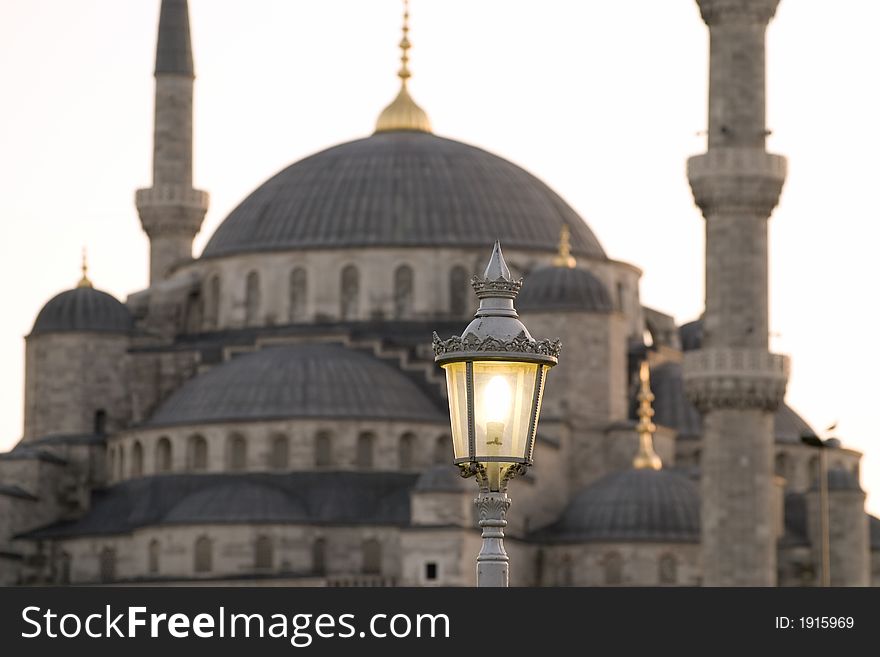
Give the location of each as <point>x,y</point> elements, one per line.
<point>503,397</point>
<point>456,386</point>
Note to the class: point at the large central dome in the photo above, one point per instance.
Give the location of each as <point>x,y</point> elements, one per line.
<point>401,188</point>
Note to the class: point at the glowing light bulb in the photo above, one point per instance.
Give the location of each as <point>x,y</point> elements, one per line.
<point>497,400</point>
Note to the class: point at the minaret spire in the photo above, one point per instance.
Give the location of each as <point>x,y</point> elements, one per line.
<point>647,458</point>
<point>403,113</point>
<point>171,210</point>
<point>564,257</point>
<point>734,380</point>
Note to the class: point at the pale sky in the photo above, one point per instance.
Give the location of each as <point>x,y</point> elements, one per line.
<point>602,100</point>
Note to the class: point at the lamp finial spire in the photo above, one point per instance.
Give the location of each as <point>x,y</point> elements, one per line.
<point>647,458</point>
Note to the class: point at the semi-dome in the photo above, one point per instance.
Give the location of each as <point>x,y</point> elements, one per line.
<point>561,289</point>
<point>298,381</point>
<point>401,188</point>
<point>238,501</point>
<point>442,479</point>
<point>633,505</point>
<point>83,309</point>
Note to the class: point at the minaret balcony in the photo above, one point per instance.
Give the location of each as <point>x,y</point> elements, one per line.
<point>737,179</point>
<point>735,377</point>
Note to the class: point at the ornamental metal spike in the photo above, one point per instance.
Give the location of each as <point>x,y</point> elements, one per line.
<point>497,267</point>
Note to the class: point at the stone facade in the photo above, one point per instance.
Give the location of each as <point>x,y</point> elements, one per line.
<point>90,495</point>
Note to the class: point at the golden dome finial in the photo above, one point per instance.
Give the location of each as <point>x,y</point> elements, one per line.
<point>403,113</point>
<point>564,257</point>
<point>646,458</point>
<point>84,281</point>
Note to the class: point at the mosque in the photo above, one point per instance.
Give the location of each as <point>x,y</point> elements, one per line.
<point>270,412</point>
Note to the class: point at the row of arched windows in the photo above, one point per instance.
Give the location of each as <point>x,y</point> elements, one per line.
<point>349,295</point>
<point>263,557</point>
<point>612,570</point>
<point>278,457</point>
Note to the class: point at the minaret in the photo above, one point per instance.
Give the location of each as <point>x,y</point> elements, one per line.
<point>171,210</point>
<point>734,380</point>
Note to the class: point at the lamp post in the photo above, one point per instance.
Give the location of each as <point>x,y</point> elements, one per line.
<point>825,550</point>
<point>495,377</point>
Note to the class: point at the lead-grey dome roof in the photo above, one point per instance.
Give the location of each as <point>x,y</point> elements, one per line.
<point>632,505</point>
<point>83,309</point>
<point>401,189</point>
<point>554,289</point>
<point>298,381</point>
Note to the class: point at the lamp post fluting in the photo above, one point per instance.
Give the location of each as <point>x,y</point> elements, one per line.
<point>495,377</point>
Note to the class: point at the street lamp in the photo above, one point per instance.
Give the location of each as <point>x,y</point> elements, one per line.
<point>495,377</point>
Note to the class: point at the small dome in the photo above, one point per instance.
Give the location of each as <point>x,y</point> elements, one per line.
<point>83,309</point>
<point>633,505</point>
<point>298,381</point>
<point>555,289</point>
<point>442,479</point>
<point>404,188</point>
<point>691,335</point>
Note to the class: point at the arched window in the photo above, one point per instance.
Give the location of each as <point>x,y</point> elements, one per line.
<point>323,449</point>
<point>153,557</point>
<point>252,299</point>
<point>120,462</point>
<point>372,557</point>
<point>192,313</point>
<point>442,450</point>
<point>612,567</point>
<point>64,568</point>
<point>100,422</point>
<point>813,470</point>
<point>108,565</point>
<point>280,454</point>
<point>458,291</point>
<point>111,463</point>
<point>566,572</point>
<point>319,556</point>
<point>667,569</point>
<point>781,465</point>
<point>364,455</point>
<point>137,459</point>
<point>197,453</point>
<point>163,455</point>
<point>403,292</point>
<point>350,290</point>
<point>405,451</point>
<point>212,303</point>
<point>204,555</point>
<point>297,309</point>
<point>855,470</point>
<point>237,452</point>
<point>621,297</point>
<point>264,556</point>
